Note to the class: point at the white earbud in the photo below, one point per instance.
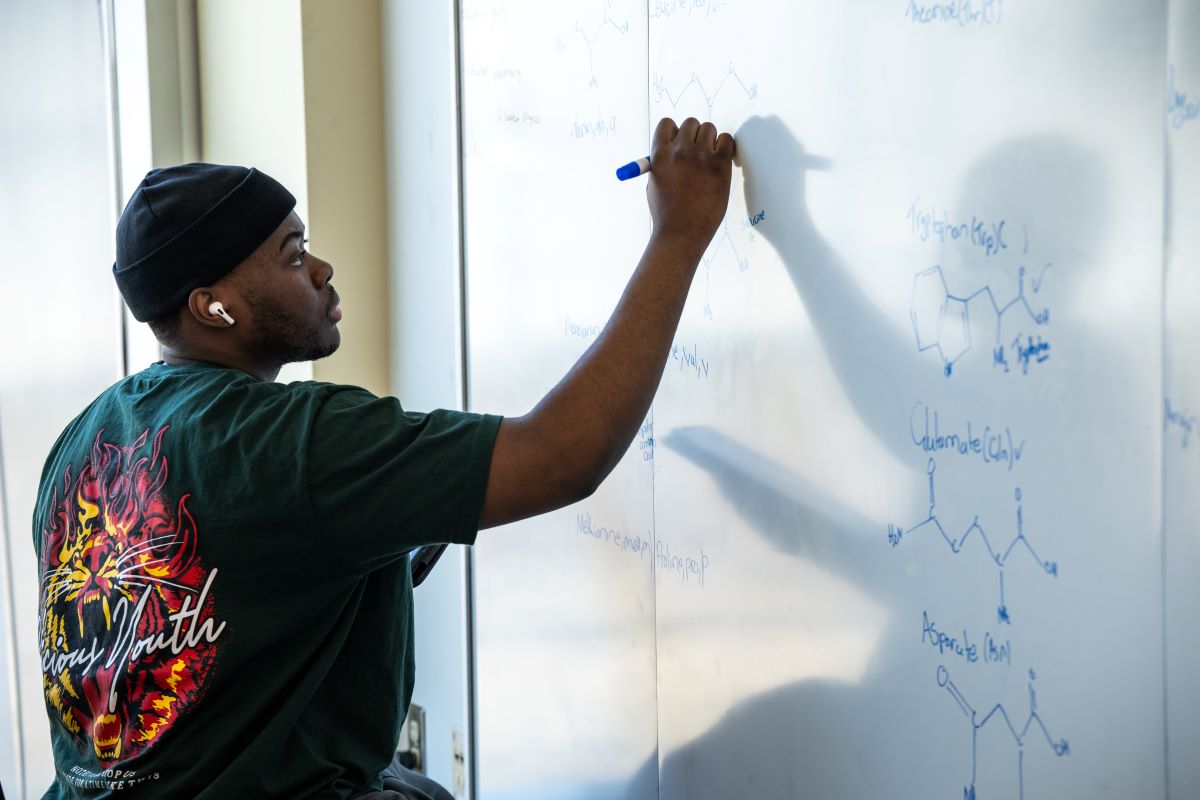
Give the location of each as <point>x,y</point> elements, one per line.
<point>215,307</point>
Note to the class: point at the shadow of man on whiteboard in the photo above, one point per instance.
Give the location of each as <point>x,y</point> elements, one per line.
<point>1056,183</point>
<point>823,737</point>
<point>1057,187</point>
<point>872,362</point>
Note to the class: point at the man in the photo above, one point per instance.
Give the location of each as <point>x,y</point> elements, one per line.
<point>226,590</point>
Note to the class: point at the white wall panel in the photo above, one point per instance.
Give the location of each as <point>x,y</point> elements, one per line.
<point>63,314</point>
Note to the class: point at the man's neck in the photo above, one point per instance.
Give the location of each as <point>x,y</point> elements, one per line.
<point>262,372</point>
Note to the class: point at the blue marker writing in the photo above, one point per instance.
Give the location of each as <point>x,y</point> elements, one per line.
<point>634,169</point>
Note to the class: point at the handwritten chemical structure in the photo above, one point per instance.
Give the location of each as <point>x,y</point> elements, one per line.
<point>942,321</point>
<point>999,557</point>
<point>722,242</point>
<point>1033,725</point>
<point>730,79</point>
<point>591,34</point>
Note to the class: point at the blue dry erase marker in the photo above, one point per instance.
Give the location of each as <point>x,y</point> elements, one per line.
<point>633,169</point>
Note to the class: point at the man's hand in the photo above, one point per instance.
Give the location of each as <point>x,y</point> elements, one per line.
<point>689,178</point>
<point>561,451</point>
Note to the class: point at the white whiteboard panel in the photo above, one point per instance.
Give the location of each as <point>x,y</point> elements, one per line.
<point>960,236</point>
<point>564,603</point>
<point>907,469</point>
<point>1181,401</point>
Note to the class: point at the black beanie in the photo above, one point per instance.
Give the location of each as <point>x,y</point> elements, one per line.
<point>189,226</point>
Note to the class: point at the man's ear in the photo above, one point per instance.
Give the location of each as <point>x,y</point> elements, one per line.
<point>201,299</point>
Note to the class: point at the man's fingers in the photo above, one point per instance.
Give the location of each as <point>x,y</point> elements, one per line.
<point>664,134</point>
<point>704,136</point>
<point>687,131</point>
<point>725,146</point>
<point>693,131</point>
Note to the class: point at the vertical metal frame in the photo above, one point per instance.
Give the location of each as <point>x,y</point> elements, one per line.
<point>13,667</point>
<point>465,398</point>
<point>108,43</point>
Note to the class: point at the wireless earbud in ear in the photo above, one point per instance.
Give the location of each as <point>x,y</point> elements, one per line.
<point>215,307</point>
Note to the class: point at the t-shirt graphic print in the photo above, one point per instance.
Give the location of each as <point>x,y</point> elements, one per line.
<point>129,628</point>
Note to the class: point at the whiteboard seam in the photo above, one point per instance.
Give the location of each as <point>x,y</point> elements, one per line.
<point>1162,456</point>
<point>108,46</point>
<point>658,754</point>
<point>6,532</point>
<point>468,573</point>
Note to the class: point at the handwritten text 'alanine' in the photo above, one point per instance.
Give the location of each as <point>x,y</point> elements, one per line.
<point>929,222</point>
<point>583,331</point>
<point>965,13</point>
<point>993,445</point>
<point>1180,421</point>
<point>992,650</point>
<point>667,561</point>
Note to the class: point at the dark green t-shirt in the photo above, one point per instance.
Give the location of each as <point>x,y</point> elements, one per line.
<point>226,600</point>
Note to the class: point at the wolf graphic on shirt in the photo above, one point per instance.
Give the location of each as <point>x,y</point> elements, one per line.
<point>127,626</point>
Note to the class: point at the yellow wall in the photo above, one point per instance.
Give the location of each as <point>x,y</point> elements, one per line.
<point>347,189</point>
<point>252,89</point>
<point>294,88</point>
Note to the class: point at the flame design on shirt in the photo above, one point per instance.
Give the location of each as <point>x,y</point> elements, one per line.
<point>127,630</point>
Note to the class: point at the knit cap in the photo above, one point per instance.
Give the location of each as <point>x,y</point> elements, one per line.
<point>189,226</point>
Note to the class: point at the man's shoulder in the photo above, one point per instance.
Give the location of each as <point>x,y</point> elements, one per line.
<point>218,389</point>
<point>223,401</point>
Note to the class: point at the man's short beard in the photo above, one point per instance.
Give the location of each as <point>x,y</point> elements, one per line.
<point>282,339</point>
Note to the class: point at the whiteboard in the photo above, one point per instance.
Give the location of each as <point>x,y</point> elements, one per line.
<point>1181,402</point>
<point>903,482</point>
<point>564,604</point>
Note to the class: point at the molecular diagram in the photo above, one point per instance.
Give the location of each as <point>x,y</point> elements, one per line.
<point>942,321</point>
<point>998,557</point>
<point>1033,724</point>
<point>709,96</point>
<point>591,34</point>
<point>724,240</point>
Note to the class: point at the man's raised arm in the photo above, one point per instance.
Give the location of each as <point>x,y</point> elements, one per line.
<point>563,449</point>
